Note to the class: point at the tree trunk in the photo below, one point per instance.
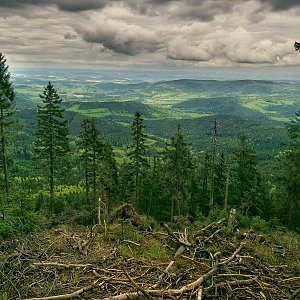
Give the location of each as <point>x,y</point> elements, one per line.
<point>226,189</point>
<point>232,220</point>
<point>94,177</point>
<point>86,181</point>
<point>4,157</point>
<point>51,179</point>
<point>213,162</point>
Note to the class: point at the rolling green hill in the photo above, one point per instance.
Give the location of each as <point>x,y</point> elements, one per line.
<point>256,108</point>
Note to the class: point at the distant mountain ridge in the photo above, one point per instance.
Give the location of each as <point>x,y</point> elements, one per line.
<point>257,108</point>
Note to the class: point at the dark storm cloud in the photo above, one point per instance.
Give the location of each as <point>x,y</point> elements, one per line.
<point>202,10</point>
<point>279,5</point>
<point>120,37</point>
<point>67,5</point>
<point>186,9</point>
<point>80,5</point>
<point>70,36</point>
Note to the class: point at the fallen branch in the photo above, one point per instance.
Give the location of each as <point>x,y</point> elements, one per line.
<point>139,288</point>
<point>56,264</point>
<point>185,289</point>
<point>213,224</point>
<point>75,294</point>
<point>161,276</point>
<point>295,295</point>
<point>230,283</point>
<point>182,241</point>
<point>131,242</point>
<point>199,294</point>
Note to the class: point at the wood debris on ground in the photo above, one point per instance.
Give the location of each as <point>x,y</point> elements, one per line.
<point>206,263</point>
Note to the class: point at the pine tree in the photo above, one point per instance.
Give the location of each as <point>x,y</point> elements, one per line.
<point>108,177</point>
<point>179,165</point>
<point>214,154</point>
<point>7,109</point>
<point>155,199</point>
<point>137,157</point>
<point>52,143</point>
<point>90,143</point>
<point>98,162</point>
<point>288,175</point>
<point>246,177</point>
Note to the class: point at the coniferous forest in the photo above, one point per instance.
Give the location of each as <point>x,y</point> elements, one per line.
<point>59,180</point>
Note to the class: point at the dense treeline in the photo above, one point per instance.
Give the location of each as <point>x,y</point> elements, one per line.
<point>67,178</point>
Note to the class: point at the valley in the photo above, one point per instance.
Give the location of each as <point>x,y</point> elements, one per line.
<point>259,109</point>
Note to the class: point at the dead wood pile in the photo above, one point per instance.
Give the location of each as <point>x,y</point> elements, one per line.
<point>126,212</point>
<point>210,263</point>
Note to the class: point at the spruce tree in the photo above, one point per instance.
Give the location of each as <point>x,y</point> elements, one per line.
<point>179,165</point>
<point>137,157</point>
<point>246,177</point>
<point>108,177</point>
<point>214,153</point>
<point>98,161</point>
<point>90,144</point>
<point>52,142</point>
<point>288,176</point>
<point>7,109</point>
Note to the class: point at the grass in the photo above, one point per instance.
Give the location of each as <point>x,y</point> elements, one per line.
<point>281,119</point>
<point>162,112</point>
<point>97,113</point>
<point>157,113</point>
<point>4,295</point>
<point>267,105</point>
<point>265,253</point>
<point>168,98</point>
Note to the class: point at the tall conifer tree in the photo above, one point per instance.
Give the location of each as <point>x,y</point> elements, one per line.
<point>7,109</point>
<point>99,162</point>
<point>52,143</point>
<point>179,165</point>
<point>247,177</point>
<point>289,175</point>
<point>137,156</point>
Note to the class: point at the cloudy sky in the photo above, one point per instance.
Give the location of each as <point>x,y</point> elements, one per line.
<point>151,32</point>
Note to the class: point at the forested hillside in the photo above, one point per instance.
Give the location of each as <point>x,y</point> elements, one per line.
<point>180,150</point>
<point>184,147</point>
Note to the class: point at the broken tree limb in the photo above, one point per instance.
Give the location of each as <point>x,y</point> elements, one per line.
<point>73,295</point>
<point>230,283</point>
<point>125,212</point>
<point>56,264</point>
<point>185,289</point>
<point>295,295</point>
<point>179,251</point>
<point>182,241</point>
<point>199,294</point>
<point>131,242</point>
<point>139,288</point>
<point>158,293</point>
<point>199,232</point>
<point>161,276</point>
<point>212,235</point>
